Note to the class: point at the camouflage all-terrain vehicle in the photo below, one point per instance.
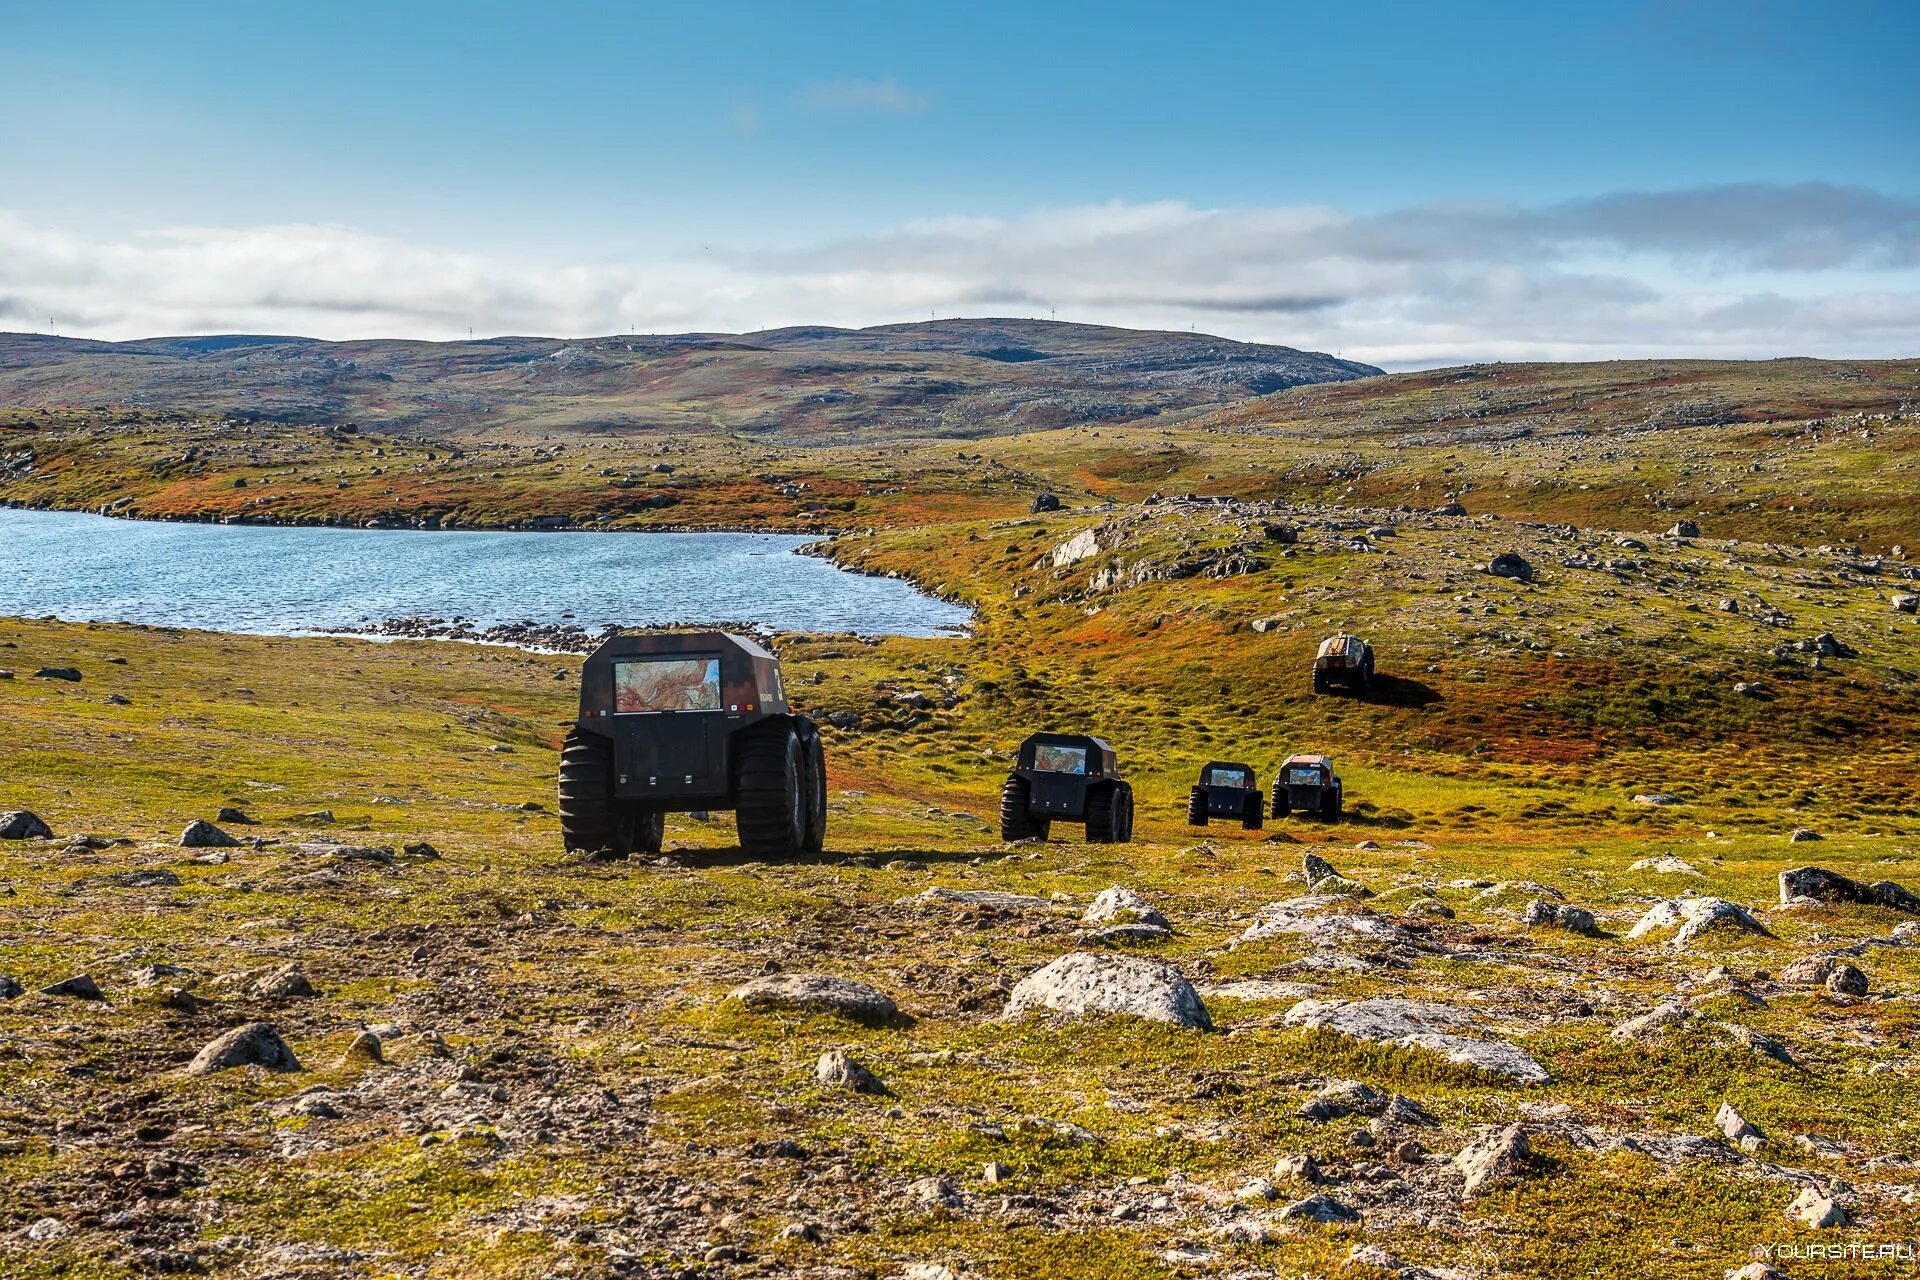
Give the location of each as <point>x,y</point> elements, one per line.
<point>675,723</point>
<point>1066,777</point>
<point>1343,660</point>
<point>1308,785</point>
<point>1226,790</point>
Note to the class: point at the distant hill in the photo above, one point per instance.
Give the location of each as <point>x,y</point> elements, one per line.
<point>962,378</point>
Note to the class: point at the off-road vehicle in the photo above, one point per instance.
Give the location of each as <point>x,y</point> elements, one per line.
<point>1343,660</point>
<point>1307,785</point>
<point>1226,790</point>
<point>688,721</point>
<point>1066,777</point>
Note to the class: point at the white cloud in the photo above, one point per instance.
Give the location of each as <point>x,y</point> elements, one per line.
<point>1731,271</point>
<point>887,97</point>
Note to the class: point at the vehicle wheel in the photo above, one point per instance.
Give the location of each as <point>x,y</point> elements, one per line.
<point>1126,813</point>
<point>1197,807</point>
<point>1366,670</point>
<point>1016,815</point>
<point>770,775</point>
<point>587,816</point>
<point>642,830</point>
<point>1104,815</point>
<point>1281,806</point>
<point>1330,804</point>
<point>1251,818</point>
<point>1042,828</point>
<point>816,787</point>
<point>1321,684</point>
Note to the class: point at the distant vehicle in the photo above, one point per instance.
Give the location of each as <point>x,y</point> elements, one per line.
<point>683,722</point>
<point>1226,790</point>
<point>1343,660</point>
<point>1309,786</point>
<point>1066,777</point>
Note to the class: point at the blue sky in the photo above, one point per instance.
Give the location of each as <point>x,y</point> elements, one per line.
<point>751,154</point>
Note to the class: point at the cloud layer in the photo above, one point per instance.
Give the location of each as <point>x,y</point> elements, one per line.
<point>1750,270</point>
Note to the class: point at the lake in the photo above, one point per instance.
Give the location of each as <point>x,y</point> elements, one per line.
<point>290,581</point>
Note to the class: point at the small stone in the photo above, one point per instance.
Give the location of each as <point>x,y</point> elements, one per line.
<point>1258,1189</point>
<point>1816,1210</point>
<point>1120,905</point>
<point>994,1173</point>
<point>80,986</point>
<point>816,993</point>
<point>1846,980</point>
<point>364,1047</point>
<point>1299,1167</point>
<point>255,1044</point>
<point>1733,1126</point>
<point>1498,1156</point>
<point>230,814</point>
<point>10,988</point>
<point>1318,1208</point>
<point>839,1070</point>
<point>69,674</point>
<point>804,1232</point>
<point>1804,835</point>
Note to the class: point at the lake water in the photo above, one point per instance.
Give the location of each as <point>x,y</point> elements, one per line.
<point>283,581</point>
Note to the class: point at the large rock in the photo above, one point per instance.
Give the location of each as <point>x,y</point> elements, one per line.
<point>1120,905</point>
<point>1315,917</point>
<point>1083,983</point>
<point>1823,885</point>
<point>201,834</point>
<point>19,824</point>
<point>256,1044</point>
<point>80,986</point>
<point>1418,1024</point>
<point>1510,564</point>
<point>840,1070</point>
<point>993,899</point>
<point>1694,916</point>
<point>816,993</point>
<point>1318,1208</point>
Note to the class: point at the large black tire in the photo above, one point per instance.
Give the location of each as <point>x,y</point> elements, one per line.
<point>770,789</point>
<point>589,818</point>
<point>1197,807</point>
<point>816,765</point>
<point>1109,811</point>
<point>1252,815</point>
<point>1016,811</point>
<point>1126,826</point>
<point>1366,670</point>
<point>1330,802</point>
<point>640,829</point>
<point>1281,805</point>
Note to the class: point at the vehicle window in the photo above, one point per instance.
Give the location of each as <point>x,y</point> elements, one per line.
<point>1303,777</point>
<point>1059,759</point>
<point>1227,777</point>
<point>666,684</point>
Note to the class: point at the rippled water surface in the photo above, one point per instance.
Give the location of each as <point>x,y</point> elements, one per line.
<point>287,581</point>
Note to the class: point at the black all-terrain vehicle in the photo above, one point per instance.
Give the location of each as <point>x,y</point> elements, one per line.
<point>1343,660</point>
<point>1308,785</point>
<point>1066,777</point>
<point>1226,790</point>
<point>683,722</point>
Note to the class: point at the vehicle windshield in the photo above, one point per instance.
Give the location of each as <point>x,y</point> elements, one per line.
<point>1219,777</point>
<point>676,683</point>
<point>1054,758</point>
<point>1304,775</point>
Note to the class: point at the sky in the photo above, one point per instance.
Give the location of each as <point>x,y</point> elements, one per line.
<point>1409,184</point>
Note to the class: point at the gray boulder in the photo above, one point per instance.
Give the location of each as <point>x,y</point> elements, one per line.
<point>20,824</point>
<point>1497,1156</point>
<point>255,1044</point>
<point>816,993</point>
<point>1418,1024</point>
<point>1692,916</point>
<point>201,834</point>
<point>1120,905</point>
<point>1823,885</point>
<point>1083,983</point>
<point>80,986</point>
<point>1318,1208</point>
<point>1511,564</point>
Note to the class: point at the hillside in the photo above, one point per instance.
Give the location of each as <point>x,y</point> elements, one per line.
<point>963,378</point>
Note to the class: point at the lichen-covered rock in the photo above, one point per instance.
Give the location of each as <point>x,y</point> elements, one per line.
<point>1823,885</point>
<point>201,834</point>
<point>1083,983</point>
<point>1693,916</point>
<point>21,824</point>
<point>255,1044</point>
<point>1497,1156</point>
<point>1120,905</point>
<point>816,993</point>
<point>1418,1024</point>
<point>840,1070</point>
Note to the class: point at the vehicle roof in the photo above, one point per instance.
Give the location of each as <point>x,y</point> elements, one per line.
<point>1304,759</point>
<point>1226,764</point>
<point>632,644</point>
<point>1072,738</point>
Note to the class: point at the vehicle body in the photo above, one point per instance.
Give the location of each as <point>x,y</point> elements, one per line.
<point>678,722</point>
<point>1308,785</point>
<point>1226,790</point>
<point>1343,660</point>
<point>1066,777</point>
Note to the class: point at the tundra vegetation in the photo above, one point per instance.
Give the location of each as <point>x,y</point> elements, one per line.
<point>1540,1004</point>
